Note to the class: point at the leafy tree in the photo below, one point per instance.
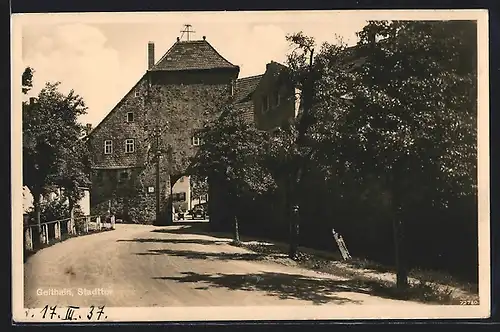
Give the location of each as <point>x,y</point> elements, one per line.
<point>199,186</point>
<point>410,120</point>
<point>232,153</point>
<point>74,169</point>
<point>292,148</point>
<point>51,146</point>
<point>27,80</point>
<point>394,115</point>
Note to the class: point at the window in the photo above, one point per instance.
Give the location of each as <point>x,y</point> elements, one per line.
<point>181,179</point>
<point>137,94</point>
<point>265,103</point>
<point>196,141</point>
<point>108,147</point>
<point>130,117</point>
<point>124,175</point>
<point>129,145</point>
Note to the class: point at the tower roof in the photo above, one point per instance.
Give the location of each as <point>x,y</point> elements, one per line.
<point>192,55</point>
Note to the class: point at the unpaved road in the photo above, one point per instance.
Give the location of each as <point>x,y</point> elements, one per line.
<point>138,265</point>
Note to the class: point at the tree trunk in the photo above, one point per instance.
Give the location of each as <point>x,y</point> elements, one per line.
<point>234,200</point>
<point>36,205</point>
<point>292,249</point>
<point>298,164</point>
<point>292,253</point>
<point>236,230</point>
<point>402,269</point>
<point>71,224</point>
<point>399,241</point>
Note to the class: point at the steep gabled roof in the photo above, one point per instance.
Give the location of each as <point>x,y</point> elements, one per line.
<point>245,86</point>
<point>192,55</point>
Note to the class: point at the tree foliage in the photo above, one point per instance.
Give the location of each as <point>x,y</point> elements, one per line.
<point>397,112</point>
<point>27,80</point>
<point>53,152</point>
<point>199,186</point>
<point>414,101</point>
<point>387,129</point>
<point>232,151</point>
<point>232,156</point>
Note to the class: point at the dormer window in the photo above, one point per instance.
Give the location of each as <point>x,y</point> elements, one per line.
<point>137,94</point>
<point>130,117</point>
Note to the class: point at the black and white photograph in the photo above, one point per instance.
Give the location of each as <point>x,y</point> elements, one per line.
<point>259,165</point>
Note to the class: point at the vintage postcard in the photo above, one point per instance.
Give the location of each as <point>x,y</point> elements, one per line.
<point>283,165</point>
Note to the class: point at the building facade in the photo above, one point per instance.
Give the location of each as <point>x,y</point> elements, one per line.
<point>141,149</point>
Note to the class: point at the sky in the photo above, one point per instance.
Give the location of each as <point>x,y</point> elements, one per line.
<point>103,56</point>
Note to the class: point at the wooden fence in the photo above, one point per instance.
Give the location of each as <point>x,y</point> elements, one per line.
<point>35,236</point>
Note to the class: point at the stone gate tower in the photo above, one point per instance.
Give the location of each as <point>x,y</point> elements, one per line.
<point>144,144</point>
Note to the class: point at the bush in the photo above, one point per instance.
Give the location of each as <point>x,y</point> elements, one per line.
<point>53,210</point>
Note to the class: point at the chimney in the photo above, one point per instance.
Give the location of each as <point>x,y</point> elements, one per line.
<point>178,39</point>
<point>204,37</point>
<point>151,55</point>
<point>88,128</point>
<point>32,100</point>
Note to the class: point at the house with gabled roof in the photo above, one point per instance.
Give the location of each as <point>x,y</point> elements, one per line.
<point>162,112</point>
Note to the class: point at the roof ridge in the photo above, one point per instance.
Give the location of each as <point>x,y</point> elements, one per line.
<point>205,55</point>
<point>248,77</point>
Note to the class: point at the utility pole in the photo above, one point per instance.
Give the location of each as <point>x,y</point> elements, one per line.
<point>157,134</point>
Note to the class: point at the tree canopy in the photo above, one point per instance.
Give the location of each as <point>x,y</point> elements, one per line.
<point>53,152</point>
<point>232,151</point>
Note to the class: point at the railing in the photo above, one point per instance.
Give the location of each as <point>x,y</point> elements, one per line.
<point>49,231</point>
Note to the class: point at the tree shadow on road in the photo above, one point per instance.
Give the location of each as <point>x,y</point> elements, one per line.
<point>189,228</point>
<point>282,285</point>
<point>220,256</point>
<point>176,241</point>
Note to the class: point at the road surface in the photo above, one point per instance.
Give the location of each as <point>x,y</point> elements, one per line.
<point>144,266</point>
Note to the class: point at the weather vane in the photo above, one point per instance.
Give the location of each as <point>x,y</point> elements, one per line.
<point>187,30</point>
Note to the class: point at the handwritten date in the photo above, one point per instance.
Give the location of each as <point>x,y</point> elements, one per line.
<point>69,313</point>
